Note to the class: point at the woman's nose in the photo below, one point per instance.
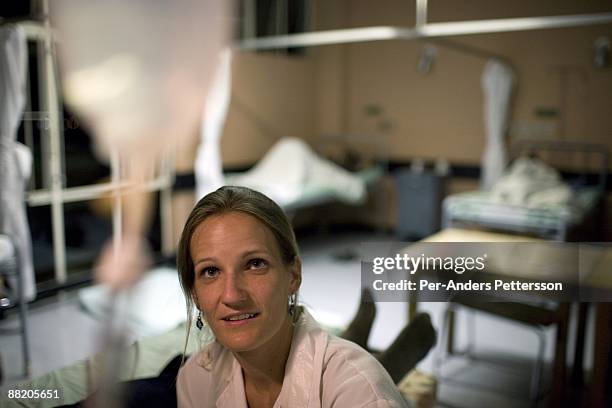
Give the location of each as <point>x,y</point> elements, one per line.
<point>233,290</point>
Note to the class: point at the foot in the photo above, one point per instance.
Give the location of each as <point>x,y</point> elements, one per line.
<point>410,347</point>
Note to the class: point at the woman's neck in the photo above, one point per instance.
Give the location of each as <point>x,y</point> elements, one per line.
<point>264,367</point>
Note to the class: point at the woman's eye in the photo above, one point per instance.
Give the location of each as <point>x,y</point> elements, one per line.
<point>209,272</point>
<point>257,263</point>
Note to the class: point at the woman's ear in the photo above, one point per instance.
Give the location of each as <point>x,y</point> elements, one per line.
<point>194,298</point>
<point>296,275</point>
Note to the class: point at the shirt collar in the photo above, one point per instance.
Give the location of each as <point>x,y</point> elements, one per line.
<point>302,381</point>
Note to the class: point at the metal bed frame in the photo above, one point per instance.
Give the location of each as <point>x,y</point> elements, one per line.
<point>9,266</point>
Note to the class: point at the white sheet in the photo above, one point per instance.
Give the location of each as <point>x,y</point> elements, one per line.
<point>531,183</point>
<point>154,305</point>
<point>291,167</point>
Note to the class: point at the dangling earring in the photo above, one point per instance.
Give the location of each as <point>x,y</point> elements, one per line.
<point>199,322</point>
<point>292,302</point>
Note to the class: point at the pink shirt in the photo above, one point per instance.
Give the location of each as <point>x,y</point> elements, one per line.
<point>322,371</point>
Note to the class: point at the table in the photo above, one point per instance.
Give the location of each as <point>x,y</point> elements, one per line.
<point>596,273</point>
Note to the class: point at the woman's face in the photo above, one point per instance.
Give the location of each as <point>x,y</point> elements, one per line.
<point>241,282</point>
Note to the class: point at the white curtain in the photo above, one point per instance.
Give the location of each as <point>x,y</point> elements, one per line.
<point>497,82</point>
<point>208,166</point>
<point>15,158</point>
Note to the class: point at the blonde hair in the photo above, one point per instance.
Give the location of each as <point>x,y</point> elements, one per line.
<point>225,200</point>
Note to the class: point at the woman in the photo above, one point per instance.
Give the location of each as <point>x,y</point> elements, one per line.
<point>239,265</point>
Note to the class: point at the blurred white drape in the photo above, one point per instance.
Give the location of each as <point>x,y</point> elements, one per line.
<point>291,171</point>
<point>498,81</point>
<point>15,158</point>
<point>208,165</point>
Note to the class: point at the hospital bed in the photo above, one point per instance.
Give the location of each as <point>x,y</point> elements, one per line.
<point>576,220</point>
<point>314,195</point>
<point>297,177</point>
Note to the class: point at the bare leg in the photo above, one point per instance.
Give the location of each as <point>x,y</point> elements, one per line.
<point>359,329</point>
<point>410,347</point>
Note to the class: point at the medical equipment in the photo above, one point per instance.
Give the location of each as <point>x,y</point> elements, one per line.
<point>144,82</point>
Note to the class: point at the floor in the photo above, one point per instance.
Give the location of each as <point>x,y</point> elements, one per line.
<point>62,333</point>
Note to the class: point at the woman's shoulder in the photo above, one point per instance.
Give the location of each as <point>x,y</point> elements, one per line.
<point>200,377</point>
<point>203,358</point>
<point>354,376</point>
<point>351,358</point>
<point>194,373</point>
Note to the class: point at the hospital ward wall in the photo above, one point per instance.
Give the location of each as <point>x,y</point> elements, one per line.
<point>375,88</point>
<point>272,97</point>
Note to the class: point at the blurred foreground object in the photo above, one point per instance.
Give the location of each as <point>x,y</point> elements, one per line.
<point>419,388</point>
<point>137,72</point>
<point>15,158</point>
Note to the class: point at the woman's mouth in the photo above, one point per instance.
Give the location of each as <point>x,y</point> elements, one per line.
<point>240,318</point>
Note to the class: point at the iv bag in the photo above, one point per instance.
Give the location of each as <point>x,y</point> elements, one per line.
<point>137,71</point>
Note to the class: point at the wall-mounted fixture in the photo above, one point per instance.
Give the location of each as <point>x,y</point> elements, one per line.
<point>427,58</point>
<point>602,53</point>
